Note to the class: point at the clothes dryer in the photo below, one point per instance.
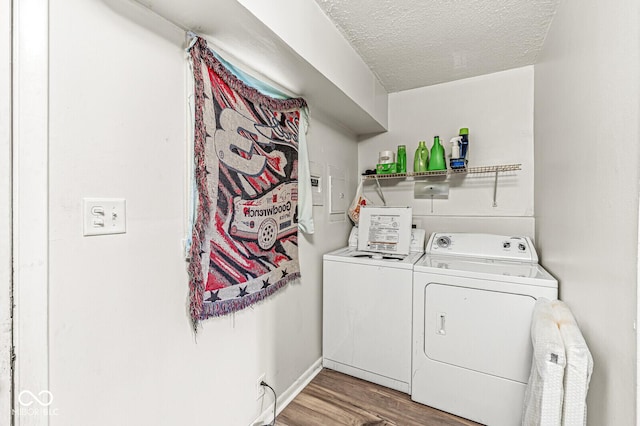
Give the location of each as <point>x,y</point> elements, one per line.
<point>367,318</point>
<point>473,297</point>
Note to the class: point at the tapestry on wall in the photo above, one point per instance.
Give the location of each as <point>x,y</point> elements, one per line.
<point>245,240</point>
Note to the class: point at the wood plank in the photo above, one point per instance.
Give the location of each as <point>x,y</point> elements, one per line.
<point>334,398</point>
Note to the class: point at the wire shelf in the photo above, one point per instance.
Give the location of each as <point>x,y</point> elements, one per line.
<point>449,172</point>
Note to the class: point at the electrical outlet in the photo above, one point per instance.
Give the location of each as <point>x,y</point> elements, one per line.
<point>259,387</point>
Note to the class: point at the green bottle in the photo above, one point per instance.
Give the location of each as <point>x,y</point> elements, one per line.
<point>401,159</point>
<point>421,158</point>
<point>437,156</point>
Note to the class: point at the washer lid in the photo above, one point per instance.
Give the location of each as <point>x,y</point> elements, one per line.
<point>351,255</point>
<point>490,269</point>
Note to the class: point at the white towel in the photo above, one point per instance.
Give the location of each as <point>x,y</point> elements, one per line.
<point>543,395</point>
<point>305,202</point>
<point>577,373</point>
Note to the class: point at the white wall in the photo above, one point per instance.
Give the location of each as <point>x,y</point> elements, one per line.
<point>586,188</point>
<point>318,64</point>
<point>5,212</point>
<point>121,347</point>
<point>498,110</point>
<point>353,76</point>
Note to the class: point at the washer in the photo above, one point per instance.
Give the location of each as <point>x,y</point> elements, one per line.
<point>367,313</point>
<point>473,297</point>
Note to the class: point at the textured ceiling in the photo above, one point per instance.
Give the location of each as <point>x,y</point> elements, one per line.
<point>415,43</point>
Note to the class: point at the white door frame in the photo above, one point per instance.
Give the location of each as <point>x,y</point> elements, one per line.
<point>636,324</point>
<point>30,211</point>
<point>5,213</point>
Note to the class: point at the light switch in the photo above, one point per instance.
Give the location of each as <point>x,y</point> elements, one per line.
<point>104,216</point>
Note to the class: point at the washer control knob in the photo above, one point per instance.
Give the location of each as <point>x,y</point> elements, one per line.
<point>443,242</point>
<point>522,247</point>
<point>506,244</point>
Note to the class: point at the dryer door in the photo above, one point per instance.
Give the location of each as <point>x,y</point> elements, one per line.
<point>480,330</point>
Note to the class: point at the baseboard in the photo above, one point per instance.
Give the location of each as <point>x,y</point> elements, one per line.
<point>288,395</point>
<point>368,376</point>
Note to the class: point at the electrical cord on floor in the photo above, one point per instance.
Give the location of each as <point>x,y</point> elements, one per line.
<point>275,400</point>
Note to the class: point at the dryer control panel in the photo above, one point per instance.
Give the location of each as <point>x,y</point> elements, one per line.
<point>487,246</point>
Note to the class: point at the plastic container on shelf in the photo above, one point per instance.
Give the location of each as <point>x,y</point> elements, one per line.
<point>437,160</point>
<point>456,161</point>
<point>421,158</point>
<point>401,159</point>
<point>464,144</point>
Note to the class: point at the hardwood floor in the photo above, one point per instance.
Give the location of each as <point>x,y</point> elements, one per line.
<point>336,399</point>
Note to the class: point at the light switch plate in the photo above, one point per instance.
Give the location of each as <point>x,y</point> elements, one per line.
<point>337,198</point>
<point>338,202</point>
<point>103,216</point>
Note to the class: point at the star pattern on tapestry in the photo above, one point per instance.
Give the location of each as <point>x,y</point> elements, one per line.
<point>214,296</point>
